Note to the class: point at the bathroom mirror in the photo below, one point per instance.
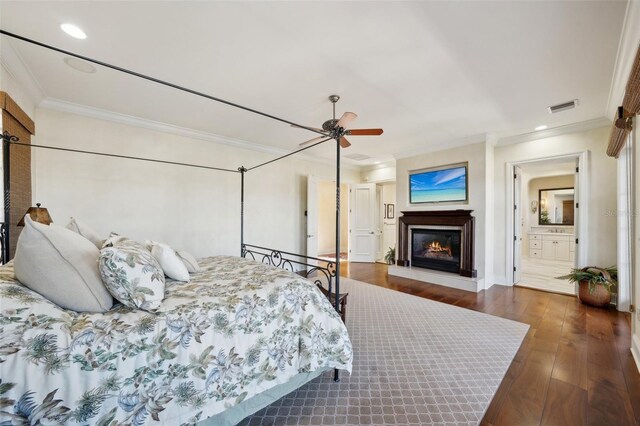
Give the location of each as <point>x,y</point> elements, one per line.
<point>556,206</point>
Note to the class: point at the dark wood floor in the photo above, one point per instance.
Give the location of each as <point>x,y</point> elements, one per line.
<point>573,368</point>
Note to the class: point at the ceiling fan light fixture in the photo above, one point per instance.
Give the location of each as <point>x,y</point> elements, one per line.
<point>74,31</point>
<point>339,128</point>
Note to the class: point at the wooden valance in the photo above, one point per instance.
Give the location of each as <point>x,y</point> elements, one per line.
<point>11,107</point>
<point>16,121</point>
<point>630,107</point>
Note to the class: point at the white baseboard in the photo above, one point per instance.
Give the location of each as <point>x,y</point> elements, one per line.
<point>446,279</point>
<point>500,280</point>
<point>635,350</point>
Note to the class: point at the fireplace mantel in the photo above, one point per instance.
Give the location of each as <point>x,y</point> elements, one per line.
<point>461,218</point>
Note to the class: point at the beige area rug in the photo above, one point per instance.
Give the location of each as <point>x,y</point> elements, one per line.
<point>416,362</point>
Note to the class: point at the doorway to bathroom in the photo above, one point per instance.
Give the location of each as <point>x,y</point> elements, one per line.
<point>545,216</point>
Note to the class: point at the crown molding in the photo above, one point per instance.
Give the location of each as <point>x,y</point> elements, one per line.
<point>492,140</point>
<point>15,65</point>
<point>627,48</point>
<point>455,143</point>
<point>130,120</point>
<point>581,126</point>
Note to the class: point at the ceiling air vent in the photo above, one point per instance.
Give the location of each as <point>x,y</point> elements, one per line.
<point>563,106</point>
<point>357,157</point>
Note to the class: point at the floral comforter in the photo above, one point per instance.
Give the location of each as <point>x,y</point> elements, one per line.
<point>239,328</point>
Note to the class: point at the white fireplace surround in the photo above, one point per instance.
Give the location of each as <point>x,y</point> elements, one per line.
<point>446,279</point>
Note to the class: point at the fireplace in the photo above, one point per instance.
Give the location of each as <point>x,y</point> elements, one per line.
<point>436,249</point>
<point>442,240</point>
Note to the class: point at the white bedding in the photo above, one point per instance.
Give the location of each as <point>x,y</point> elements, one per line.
<point>240,327</point>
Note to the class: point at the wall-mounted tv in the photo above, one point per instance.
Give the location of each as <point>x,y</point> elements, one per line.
<point>439,185</point>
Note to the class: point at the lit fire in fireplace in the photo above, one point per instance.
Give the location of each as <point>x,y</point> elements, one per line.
<point>435,249</point>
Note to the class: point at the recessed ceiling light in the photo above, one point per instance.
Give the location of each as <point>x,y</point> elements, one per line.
<point>79,65</point>
<point>542,127</point>
<point>377,162</point>
<point>73,31</point>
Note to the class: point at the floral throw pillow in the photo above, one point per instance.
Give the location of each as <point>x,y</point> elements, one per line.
<point>132,275</point>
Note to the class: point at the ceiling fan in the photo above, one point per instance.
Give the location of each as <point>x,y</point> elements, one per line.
<point>338,128</point>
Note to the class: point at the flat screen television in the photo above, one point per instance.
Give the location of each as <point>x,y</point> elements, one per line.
<point>439,185</point>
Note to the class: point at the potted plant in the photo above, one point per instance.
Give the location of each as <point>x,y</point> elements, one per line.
<point>390,257</point>
<point>595,284</point>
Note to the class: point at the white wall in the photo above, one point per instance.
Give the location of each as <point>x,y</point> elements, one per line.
<point>327,217</point>
<point>477,157</point>
<point>198,210</point>
<point>489,227</point>
<point>600,202</point>
<point>389,229</point>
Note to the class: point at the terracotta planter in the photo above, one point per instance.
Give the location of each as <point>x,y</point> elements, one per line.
<point>600,297</point>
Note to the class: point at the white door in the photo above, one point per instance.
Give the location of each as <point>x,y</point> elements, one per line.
<point>362,235</point>
<point>517,224</point>
<point>378,221</point>
<point>312,216</point>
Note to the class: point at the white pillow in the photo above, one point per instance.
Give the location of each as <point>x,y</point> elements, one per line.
<point>62,266</point>
<point>83,229</point>
<point>132,275</point>
<point>113,240</point>
<point>171,264</point>
<point>189,261</point>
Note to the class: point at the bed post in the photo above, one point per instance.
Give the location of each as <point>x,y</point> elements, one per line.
<point>242,171</point>
<point>6,177</point>
<point>336,372</point>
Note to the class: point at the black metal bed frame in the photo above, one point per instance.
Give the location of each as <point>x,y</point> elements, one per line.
<point>312,265</point>
<point>321,275</point>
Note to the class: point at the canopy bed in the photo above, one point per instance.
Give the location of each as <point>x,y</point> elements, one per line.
<point>244,332</point>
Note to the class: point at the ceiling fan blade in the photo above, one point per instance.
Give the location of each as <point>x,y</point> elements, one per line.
<point>365,132</point>
<point>312,141</point>
<point>307,128</point>
<point>346,118</point>
<point>344,142</point>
